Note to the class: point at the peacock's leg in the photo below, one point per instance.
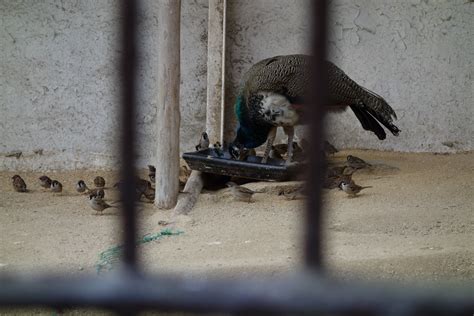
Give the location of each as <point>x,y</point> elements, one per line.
<point>290,131</point>
<point>270,140</point>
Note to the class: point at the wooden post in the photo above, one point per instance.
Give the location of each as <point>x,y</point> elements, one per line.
<point>168,115</point>
<point>215,96</point>
<point>215,69</point>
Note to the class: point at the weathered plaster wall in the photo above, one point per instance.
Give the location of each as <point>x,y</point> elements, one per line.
<point>58,89</point>
<point>419,56</point>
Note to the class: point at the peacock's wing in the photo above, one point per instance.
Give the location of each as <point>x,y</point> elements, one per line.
<point>285,75</point>
<point>342,90</point>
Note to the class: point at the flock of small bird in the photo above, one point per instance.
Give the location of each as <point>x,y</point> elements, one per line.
<point>336,177</point>
<point>96,195</point>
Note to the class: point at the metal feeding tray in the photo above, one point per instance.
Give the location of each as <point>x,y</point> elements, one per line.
<point>221,163</point>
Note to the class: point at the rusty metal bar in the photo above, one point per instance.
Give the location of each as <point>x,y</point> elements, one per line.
<point>128,75</point>
<point>313,239</point>
<point>299,293</point>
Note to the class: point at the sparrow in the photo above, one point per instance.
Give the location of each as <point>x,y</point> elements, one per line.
<point>149,194</point>
<point>218,149</point>
<point>19,184</point>
<point>203,142</point>
<point>351,188</point>
<point>235,151</point>
<point>142,187</point>
<point>97,193</point>
<point>56,186</point>
<point>282,149</point>
<point>335,171</point>
<point>246,153</point>
<point>81,187</point>
<point>329,149</point>
<point>45,182</point>
<point>335,181</point>
<point>241,193</point>
<point>99,182</point>
<point>339,171</point>
<point>275,154</point>
<point>151,173</point>
<point>298,194</point>
<point>97,204</point>
<point>356,162</point>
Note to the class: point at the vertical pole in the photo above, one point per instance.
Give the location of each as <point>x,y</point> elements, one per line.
<point>215,69</point>
<point>168,115</point>
<point>128,73</point>
<point>313,244</point>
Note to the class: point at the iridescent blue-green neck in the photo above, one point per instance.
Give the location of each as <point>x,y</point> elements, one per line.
<point>251,133</point>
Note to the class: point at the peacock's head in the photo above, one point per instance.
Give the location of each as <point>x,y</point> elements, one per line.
<point>248,138</point>
<point>237,145</point>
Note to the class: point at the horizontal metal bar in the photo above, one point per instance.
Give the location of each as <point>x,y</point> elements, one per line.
<point>304,292</point>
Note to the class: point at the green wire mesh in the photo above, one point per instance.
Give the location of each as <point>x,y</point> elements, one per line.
<point>109,257</point>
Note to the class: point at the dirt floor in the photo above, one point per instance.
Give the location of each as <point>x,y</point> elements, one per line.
<point>416,223</point>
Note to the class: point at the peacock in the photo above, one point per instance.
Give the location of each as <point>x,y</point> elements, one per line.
<point>274,93</point>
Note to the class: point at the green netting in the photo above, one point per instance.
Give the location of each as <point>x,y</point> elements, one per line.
<point>109,257</point>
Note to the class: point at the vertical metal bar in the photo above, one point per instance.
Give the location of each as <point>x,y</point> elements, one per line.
<point>127,147</point>
<point>313,245</point>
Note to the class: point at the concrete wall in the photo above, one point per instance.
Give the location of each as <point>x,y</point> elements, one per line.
<point>58,89</point>
<point>419,56</point>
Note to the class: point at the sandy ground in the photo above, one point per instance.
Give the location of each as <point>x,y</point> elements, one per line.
<point>416,223</point>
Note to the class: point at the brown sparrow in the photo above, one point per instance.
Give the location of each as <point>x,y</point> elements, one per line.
<point>218,149</point>
<point>56,186</point>
<point>45,182</point>
<point>142,187</point>
<point>246,153</point>
<point>356,162</point>
<point>151,173</point>
<point>275,154</point>
<point>97,192</point>
<point>149,194</point>
<point>335,182</point>
<point>351,188</point>
<point>99,182</point>
<point>203,142</point>
<point>241,193</point>
<point>97,204</point>
<point>282,149</point>
<point>81,187</point>
<point>329,149</point>
<point>19,184</point>
<point>298,194</point>
<point>339,171</point>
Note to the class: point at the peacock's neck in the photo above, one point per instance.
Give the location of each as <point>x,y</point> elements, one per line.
<point>252,132</point>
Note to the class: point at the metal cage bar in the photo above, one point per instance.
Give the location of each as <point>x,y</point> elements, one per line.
<point>313,244</point>
<point>127,146</point>
<point>126,291</point>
